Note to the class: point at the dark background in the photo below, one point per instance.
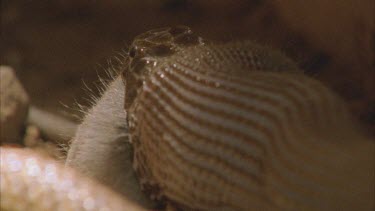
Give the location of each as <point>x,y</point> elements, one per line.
<point>55,46</point>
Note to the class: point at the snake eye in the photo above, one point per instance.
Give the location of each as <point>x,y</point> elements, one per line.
<point>132,52</point>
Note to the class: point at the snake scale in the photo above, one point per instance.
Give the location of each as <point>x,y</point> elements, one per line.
<point>231,126</point>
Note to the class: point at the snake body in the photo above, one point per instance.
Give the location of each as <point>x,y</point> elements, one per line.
<point>233,126</point>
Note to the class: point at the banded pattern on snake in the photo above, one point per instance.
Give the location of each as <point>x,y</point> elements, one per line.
<point>233,126</point>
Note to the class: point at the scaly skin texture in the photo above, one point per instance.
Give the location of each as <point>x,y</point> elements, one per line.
<point>220,127</point>
<point>237,127</point>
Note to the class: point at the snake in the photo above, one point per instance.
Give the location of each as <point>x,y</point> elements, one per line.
<point>196,125</point>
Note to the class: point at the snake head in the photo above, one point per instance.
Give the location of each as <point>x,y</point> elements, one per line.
<point>145,51</point>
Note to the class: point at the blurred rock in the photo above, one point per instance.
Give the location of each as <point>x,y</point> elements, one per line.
<point>32,136</point>
<point>33,139</point>
<point>14,103</point>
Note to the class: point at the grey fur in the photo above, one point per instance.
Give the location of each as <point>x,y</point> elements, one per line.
<point>101,147</point>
